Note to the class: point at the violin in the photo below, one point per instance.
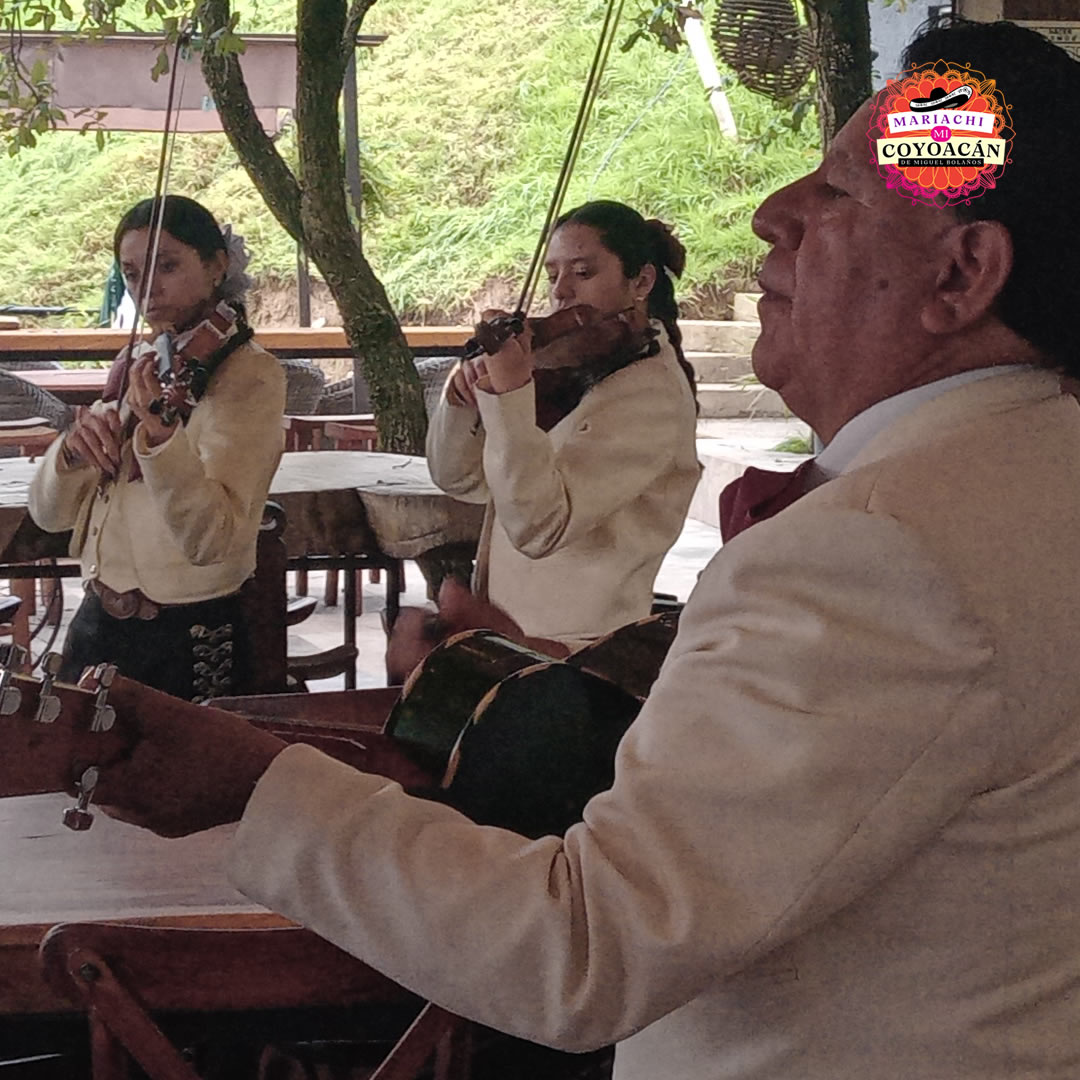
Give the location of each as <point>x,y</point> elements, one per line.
<point>572,350</point>
<point>185,364</point>
<point>186,367</point>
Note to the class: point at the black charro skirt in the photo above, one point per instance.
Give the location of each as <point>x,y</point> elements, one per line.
<point>192,651</point>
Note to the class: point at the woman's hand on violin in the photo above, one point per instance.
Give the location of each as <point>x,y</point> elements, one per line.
<point>512,366</point>
<point>94,439</point>
<point>144,387</point>
<point>462,389</point>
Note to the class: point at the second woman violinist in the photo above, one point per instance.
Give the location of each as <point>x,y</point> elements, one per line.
<point>163,482</point>
<point>580,516</point>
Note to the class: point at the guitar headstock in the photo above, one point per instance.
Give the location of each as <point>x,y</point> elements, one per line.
<point>51,732</point>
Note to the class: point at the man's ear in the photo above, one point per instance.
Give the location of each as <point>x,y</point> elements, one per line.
<point>979,259</point>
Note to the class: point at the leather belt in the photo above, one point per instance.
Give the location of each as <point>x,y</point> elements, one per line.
<point>132,604</point>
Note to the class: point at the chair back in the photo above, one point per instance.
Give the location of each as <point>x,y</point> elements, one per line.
<point>433,372</point>
<point>304,383</point>
<point>124,975</point>
<point>338,398</point>
<point>264,605</point>
<point>21,399</point>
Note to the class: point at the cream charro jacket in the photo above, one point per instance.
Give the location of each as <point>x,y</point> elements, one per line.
<point>844,836</point>
<point>584,513</point>
<point>187,530</point>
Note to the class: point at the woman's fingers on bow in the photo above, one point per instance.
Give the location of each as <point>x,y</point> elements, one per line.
<point>143,386</point>
<point>461,384</point>
<point>95,438</point>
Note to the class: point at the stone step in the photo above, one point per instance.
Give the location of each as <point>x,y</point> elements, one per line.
<point>721,336</point>
<point>710,367</point>
<point>744,306</point>
<point>728,399</point>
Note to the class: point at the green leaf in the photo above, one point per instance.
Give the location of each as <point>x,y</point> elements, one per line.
<point>161,66</point>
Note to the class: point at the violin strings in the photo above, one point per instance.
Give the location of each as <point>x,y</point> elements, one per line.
<point>562,184</point>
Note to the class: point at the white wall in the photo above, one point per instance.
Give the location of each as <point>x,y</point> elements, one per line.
<point>891,29</point>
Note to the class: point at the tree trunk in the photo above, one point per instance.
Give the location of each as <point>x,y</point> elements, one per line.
<point>841,32</point>
<point>313,209</point>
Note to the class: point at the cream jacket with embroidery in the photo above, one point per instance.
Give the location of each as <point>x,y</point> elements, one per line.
<point>186,531</point>
<point>584,513</point>
<point>843,840</point>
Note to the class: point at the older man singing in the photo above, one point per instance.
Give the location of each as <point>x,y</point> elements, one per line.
<point>844,834</point>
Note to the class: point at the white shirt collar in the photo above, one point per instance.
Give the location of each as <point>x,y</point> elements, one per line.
<point>860,429</point>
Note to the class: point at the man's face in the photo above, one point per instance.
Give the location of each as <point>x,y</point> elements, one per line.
<point>851,268</point>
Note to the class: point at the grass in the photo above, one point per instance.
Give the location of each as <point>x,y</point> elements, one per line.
<point>464,114</point>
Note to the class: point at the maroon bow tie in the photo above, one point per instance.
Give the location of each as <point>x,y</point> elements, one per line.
<point>757,495</point>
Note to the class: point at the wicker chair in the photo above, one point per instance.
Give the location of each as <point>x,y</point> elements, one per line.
<point>21,400</point>
<point>337,399</point>
<point>433,372</point>
<point>304,383</point>
<point>344,396</point>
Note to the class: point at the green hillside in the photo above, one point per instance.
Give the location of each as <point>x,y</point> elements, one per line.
<point>464,113</point>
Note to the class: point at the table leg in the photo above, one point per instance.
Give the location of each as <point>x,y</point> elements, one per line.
<point>395,576</point>
<point>349,611</point>
<point>20,626</point>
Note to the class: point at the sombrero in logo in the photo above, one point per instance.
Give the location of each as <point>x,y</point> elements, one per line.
<point>939,99</point>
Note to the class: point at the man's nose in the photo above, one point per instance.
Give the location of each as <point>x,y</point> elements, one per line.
<point>777,220</point>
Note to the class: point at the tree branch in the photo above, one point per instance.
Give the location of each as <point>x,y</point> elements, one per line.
<point>260,158</point>
<point>353,21</point>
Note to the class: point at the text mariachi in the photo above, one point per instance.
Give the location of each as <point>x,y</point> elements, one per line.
<point>906,121</point>
<point>984,151</point>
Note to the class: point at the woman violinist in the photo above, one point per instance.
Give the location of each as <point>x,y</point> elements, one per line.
<point>580,515</point>
<point>164,480</point>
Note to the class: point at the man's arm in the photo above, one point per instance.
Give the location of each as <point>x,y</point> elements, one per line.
<point>828,705</point>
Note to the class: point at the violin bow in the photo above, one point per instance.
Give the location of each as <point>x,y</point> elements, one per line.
<point>161,185</point>
<point>588,98</point>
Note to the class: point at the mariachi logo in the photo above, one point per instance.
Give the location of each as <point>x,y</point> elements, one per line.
<point>940,134</point>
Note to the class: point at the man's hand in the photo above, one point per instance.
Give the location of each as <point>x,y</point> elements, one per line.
<point>143,388</point>
<point>94,439</point>
<point>461,609</point>
<point>417,631</point>
<point>190,768</point>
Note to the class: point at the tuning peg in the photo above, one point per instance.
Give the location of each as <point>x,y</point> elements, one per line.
<point>48,703</point>
<point>78,817</point>
<point>11,657</point>
<point>104,714</point>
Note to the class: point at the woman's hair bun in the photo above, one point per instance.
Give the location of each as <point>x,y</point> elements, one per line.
<point>669,246</point>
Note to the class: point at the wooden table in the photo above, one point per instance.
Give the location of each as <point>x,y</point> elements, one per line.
<point>76,386</point>
<point>113,871</point>
<point>116,872</point>
<point>338,502</point>
<point>304,342</point>
<point>346,510</point>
